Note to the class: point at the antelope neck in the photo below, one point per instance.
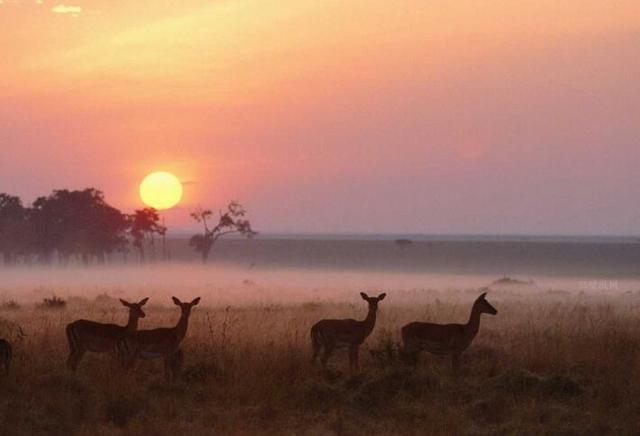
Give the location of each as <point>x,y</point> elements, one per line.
<point>370,321</point>
<point>474,320</point>
<point>132,324</point>
<point>182,325</point>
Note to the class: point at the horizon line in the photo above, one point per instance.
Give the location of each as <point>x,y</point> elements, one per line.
<point>424,236</point>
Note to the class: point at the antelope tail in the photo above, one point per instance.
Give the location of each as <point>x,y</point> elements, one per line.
<point>316,337</point>
<point>72,338</point>
<point>5,355</point>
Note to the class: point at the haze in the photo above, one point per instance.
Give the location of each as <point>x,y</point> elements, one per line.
<point>223,285</point>
<point>365,116</point>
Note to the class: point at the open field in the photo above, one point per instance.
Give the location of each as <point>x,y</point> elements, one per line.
<point>528,256</point>
<point>550,362</point>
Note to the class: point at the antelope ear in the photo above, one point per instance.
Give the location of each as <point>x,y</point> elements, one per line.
<point>176,301</point>
<point>195,301</point>
<point>143,301</point>
<point>124,303</point>
<point>364,296</point>
<point>381,296</point>
<point>481,297</point>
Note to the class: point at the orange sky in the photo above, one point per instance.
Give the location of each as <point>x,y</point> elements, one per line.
<point>331,116</point>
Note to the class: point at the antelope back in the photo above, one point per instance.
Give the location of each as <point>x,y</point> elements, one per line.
<point>99,337</point>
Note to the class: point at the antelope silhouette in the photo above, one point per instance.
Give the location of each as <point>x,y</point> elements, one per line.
<point>159,343</point>
<point>84,335</point>
<point>329,334</point>
<point>445,339</point>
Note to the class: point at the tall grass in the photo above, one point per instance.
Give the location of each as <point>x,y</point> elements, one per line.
<point>551,364</point>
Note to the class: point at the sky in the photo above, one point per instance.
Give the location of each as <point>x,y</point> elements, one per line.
<point>366,116</point>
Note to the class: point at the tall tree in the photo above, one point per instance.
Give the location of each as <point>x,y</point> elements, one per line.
<point>78,223</point>
<point>145,223</point>
<point>15,233</point>
<point>231,221</point>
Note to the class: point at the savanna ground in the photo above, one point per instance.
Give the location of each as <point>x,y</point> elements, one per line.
<point>549,363</point>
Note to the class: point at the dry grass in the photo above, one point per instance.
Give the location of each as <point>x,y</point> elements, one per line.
<point>551,364</point>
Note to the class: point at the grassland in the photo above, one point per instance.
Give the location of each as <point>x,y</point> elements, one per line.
<point>556,363</point>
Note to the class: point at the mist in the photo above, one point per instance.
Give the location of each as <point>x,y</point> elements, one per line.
<point>224,285</point>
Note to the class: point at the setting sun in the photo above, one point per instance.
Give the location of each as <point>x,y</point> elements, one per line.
<point>161,190</point>
<point>316,217</point>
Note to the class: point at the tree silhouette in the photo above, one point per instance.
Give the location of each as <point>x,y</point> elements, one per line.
<point>65,223</point>
<point>144,225</point>
<point>402,244</point>
<point>77,223</point>
<point>232,221</point>
<point>80,226</point>
<point>15,233</point>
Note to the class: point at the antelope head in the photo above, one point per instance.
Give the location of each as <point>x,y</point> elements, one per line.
<point>185,307</point>
<point>373,301</point>
<point>483,306</point>
<point>135,309</point>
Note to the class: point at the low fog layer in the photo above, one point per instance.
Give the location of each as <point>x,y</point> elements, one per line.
<point>224,285</point>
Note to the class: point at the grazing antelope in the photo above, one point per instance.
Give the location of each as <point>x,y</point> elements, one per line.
<point>5,355</point>
<point>332,333</point>
<point>84,335</point>
<point>444,339</point>
<point>160,342</point>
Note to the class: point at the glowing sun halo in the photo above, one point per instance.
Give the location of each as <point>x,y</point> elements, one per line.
<point>161,190</point>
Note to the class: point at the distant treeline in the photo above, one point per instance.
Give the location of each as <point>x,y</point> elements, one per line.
<point>81,227</point>
<point>73,226</point>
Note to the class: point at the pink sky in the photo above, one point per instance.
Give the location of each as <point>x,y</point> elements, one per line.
<point>333,116</point>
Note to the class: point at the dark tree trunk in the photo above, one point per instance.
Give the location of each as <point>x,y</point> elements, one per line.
<point>206,250</point>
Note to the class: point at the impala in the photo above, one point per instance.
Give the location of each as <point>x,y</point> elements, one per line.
<point>329,334</point>
<point>445,339</point>
<point>158,343</point>
<point>5,355</point>
<point>84,335</point>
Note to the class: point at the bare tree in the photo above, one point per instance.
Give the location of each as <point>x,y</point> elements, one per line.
<point>231,221</point>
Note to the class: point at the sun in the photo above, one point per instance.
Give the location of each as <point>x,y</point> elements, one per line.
<point>161,190</point>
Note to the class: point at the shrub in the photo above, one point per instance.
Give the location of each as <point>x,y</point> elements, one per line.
<point>10,305</point>
<point>53,303</point>
<point>106,300</point>
<point>522,381</point>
